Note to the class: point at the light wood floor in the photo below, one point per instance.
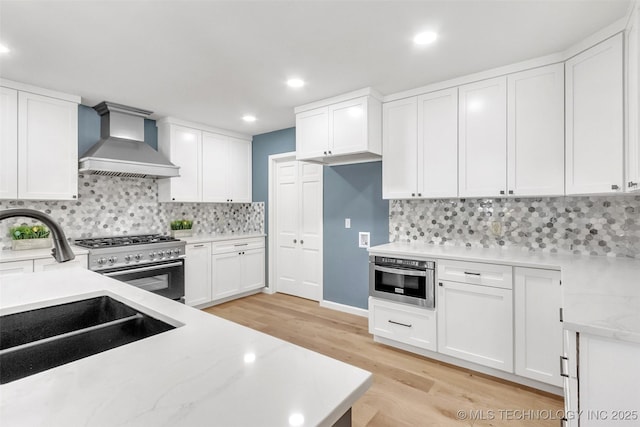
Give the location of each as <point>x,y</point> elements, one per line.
<point>407,390</point>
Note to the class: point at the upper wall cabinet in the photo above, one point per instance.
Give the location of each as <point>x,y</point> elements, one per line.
<point>39,143</point>
<point>535,132</point>
<point>420,146</point>
<point>215,165</point>
<point>594,119</point>
<point>341,130</point>
<point>483,138</point>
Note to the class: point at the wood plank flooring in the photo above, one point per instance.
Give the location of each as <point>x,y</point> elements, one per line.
<point>408,389</point>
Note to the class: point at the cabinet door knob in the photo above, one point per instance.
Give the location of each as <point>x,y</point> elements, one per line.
<point>413,194</point>
<point>615,187</point>
<point>295,241</point>
<point>501,191</point>
<point>510,191</point>
<point>632,184</point>
<point>74,196</point>
<point>329,151</point>
<point>419,194</point>
<point>325,153</point>
<point>302,242</point>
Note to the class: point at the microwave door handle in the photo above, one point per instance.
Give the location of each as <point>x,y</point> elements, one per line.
<point>401,271</point>
<point>138,270</point>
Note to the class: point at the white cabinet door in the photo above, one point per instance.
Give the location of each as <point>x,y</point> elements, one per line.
<point>15,268</point>
<point>47,264</point>
<point>609,382</point>
<point>185,151</point>
<point>438,144</point>
<point>312,134</point>
<point>252,269</point>
<point>535,128</point>
<point>215,168</point>
<point>47,148</point>
<point>226,271</point>
<point>403,323</point>
<point>399,149</point>
<point>239,167</point>
<point>483,138</point>
<point>632,45</point>
<point>348,127</point>
<point>475,323</point>
<point>8,143</point>
<point>197,274</point>
<point>538,345</point>
<point>594,119</point>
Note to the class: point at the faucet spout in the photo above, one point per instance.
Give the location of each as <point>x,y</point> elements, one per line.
<point>61,250</point>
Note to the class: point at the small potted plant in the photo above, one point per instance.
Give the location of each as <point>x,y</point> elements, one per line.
<point>30,237</point>
<point>181,228</point>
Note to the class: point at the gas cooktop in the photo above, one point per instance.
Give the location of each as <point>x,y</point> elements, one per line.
<point>110,242</point>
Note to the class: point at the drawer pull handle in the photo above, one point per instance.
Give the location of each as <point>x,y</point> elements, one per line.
<point>198,246</point>
<point>401,324</point>
<point>472,274</point>
<point>241,244</point>
<point>563,366</point>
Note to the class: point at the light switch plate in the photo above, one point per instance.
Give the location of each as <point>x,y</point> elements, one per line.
<point>347,223</point>
<point>364,239</point>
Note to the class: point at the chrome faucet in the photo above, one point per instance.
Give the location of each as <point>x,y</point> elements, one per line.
<point>61,250</point>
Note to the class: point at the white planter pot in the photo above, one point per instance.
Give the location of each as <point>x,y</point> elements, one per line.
<point>26,244</point>
<point>181,233</point>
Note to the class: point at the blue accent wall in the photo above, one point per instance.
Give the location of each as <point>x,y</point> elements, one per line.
<point>351,191</point>
<point>89,129</point>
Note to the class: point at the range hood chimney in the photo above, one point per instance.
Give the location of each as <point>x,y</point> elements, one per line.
<point>121,150</point>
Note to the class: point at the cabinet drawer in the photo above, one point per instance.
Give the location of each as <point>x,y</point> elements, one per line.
<point>237,245</point>
<point>399,322</point>
<point>477,273</point>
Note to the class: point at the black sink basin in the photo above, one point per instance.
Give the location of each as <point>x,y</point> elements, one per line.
<point>36,340</point>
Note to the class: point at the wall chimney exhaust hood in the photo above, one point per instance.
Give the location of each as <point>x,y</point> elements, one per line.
<point>121,150</point>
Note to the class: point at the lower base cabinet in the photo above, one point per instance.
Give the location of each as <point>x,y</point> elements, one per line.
<point>220,270</point>
<point>17,268</point>
<point>403,323</point>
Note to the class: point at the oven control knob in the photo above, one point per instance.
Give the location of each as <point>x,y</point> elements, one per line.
<point>152,255</point>
<point>127,258</point>
<point>138,257</point>
<point>101,261</point>
<point>113,259</point>
<point>176,251</point>
<point>161,254</point>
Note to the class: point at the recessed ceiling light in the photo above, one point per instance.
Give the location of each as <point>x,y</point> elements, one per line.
<point>249,118</point>
<point>427,37</point>
<point>295,82</point>
<point>4,49</point>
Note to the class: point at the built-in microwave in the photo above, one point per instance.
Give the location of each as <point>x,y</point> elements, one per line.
<point>403,280</point>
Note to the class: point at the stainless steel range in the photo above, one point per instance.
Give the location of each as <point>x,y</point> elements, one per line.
<point>152,262</point>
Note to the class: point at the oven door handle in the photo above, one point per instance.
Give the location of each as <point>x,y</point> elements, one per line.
<point>137,270</point>
<point>403,272</point>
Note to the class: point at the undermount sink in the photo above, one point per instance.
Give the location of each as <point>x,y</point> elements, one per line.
<point>36,340</point>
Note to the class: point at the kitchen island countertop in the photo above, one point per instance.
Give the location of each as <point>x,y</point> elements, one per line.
<point>209,371</point>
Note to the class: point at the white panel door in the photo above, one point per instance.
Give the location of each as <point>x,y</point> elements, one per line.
<point>594,119</point>
<point>215,168</point>
<point>287,226</point>
<point>47,148</point>
<point>348,127</point>
<point>239,181</point>
<point>475,323</point>
<point>8,143</point>
<point>483,138</point>
<point>252,269</point>
<point>438,144</point>
<point>197,274</point>
<point>186,149</point>
<point>15,268</point>
<point>310,231</point>
<point>225,272</point>
<point>399,149</point>
<point>312,133</point>
<point>535,132</point>
<point>538,328</point>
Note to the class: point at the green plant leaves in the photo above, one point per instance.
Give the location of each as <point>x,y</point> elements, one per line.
<point>21,232</point>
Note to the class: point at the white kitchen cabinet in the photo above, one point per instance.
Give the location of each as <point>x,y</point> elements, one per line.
<point>237,267</point>
<point>482,138</point>
<point>632,55</point>
<point>15,268</point>
<point>538,327</point>
<point>535,132</point>
<point>8,143</point>
<point>404,323</point>
<point>48,264</point>
<point>594,119</point>
<point>215,165</point>
<point>475,313</point>
<point>197,273</point>
<point>346,129</point>
<point>399,148</point>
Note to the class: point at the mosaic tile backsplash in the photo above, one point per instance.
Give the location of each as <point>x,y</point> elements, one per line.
<point>581,225</point>
<point>110,206</point>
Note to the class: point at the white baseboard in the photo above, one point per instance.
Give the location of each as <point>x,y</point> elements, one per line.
<point>345,308</point>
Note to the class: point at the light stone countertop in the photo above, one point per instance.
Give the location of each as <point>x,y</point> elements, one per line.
<point>204,238</point>
<point>10,255</point>
<point>194,375</point>
<point>601,295</point>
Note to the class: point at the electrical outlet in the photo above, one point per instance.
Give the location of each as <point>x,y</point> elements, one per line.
<point>347,223</point>
<point>496,228</point>
<point>364,239</point>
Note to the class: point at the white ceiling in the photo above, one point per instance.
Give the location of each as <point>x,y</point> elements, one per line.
<point>214,61</point>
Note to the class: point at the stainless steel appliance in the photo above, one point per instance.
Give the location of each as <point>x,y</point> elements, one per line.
<point>403,280</point>
<point>151,262</point>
